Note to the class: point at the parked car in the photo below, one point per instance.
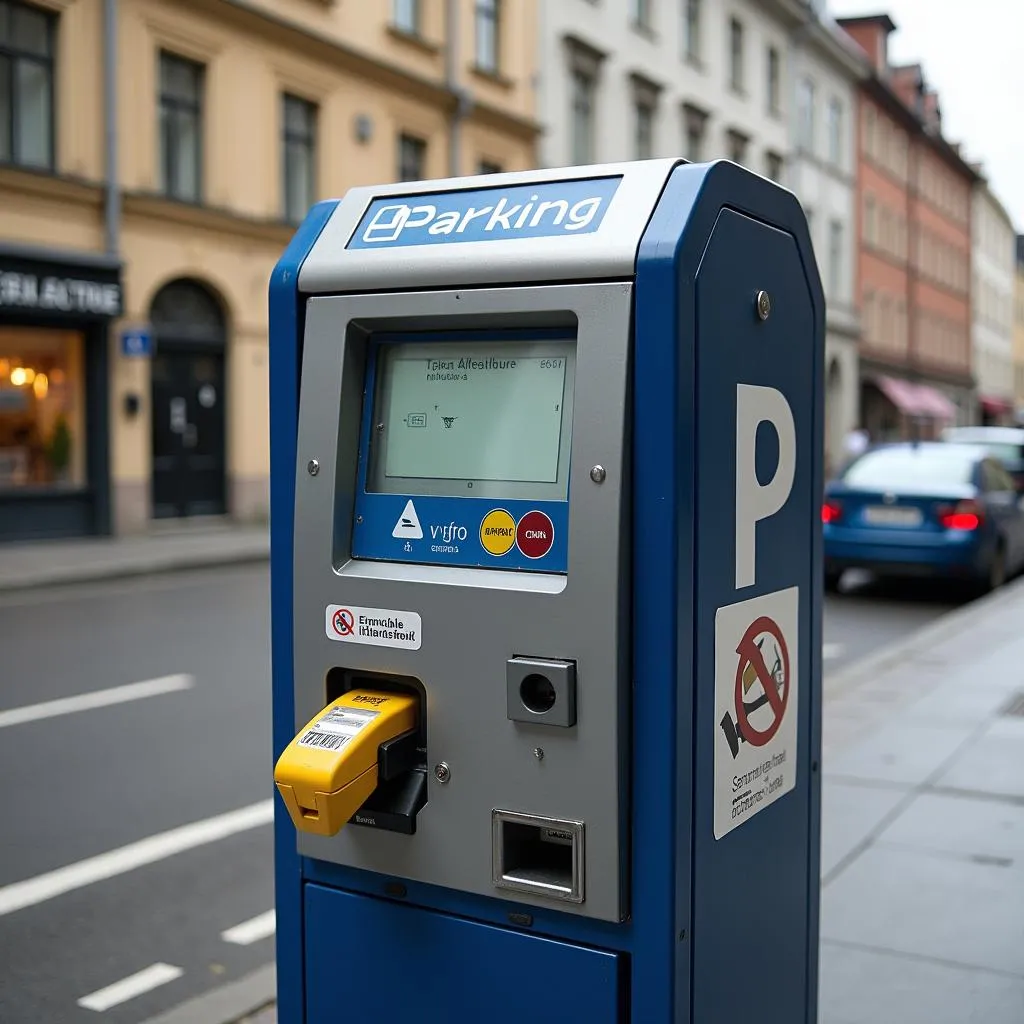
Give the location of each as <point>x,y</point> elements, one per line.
<point>1003,443</point>
<point>924,508</point>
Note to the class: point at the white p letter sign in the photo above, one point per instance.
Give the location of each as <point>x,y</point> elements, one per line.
<point>754,501</point>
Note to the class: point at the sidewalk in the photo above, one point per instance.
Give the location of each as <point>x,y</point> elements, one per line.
<point>44,563</point>
<point>923,831</point>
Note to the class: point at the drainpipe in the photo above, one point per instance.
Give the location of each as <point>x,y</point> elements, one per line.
<point>454,88</point>
<point>112,203</point>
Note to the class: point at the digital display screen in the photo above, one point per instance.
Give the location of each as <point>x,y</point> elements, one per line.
<point>483,419</point>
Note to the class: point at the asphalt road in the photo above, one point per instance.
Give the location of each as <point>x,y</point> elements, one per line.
<point>135,930</point>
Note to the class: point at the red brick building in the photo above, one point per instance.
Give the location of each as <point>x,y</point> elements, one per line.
<point>914,251</point>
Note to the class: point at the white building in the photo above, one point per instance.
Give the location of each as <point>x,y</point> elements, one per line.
<point>703,79</point>
<point>994,259</point>
<point>631,79</point>
<point>825,67</point>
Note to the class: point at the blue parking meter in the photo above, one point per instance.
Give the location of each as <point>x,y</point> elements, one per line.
<point>546,600</point>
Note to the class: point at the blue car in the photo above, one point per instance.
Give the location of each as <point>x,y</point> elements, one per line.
<point>924,509</point>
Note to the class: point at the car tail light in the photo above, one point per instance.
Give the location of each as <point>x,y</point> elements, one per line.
<point>831,512</point>
<point>965,515</point>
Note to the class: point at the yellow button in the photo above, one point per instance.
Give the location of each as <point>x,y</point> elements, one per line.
<point>498,532</point>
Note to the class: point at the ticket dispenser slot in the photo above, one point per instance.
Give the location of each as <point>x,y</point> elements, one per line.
<point>401,789</point>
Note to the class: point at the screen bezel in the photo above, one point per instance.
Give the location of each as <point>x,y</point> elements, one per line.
<point>374,446</point>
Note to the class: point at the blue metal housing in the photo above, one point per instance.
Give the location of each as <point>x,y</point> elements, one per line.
<point>719,930</point>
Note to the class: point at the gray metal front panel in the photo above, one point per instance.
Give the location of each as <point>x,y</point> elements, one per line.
<point>473,621</point>
<point>608,252</point>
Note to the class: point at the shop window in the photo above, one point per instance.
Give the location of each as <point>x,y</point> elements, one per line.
<point>26,85</point>
<point>181,127</point>
<point>42,409</point>
<point>412,158</point>
<point>298,146</point>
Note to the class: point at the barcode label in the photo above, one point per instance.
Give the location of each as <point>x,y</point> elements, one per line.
<point>336,728</point>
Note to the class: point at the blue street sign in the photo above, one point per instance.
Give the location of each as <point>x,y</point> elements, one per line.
<point>137,341</point>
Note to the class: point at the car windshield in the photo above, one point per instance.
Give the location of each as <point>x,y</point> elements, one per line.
<point>896,469</point>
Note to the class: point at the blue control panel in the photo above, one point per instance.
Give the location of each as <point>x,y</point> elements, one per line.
<point>457,520</point>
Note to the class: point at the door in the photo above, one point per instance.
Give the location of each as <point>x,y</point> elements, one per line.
<point>188,433</point>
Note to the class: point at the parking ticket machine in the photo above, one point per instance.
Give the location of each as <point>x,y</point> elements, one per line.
<point>546,588</point>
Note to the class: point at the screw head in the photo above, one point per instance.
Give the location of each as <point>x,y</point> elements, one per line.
<point>380,428</point>
<point>312,467</point>
<point>442,772</point>
<point>538,752</point>
<point>597,474</point>
<point>764,304</point>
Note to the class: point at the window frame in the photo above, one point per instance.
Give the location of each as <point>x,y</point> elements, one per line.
<point>176,104</point>
<point>416,28</point>
<point>737,61</point>
<point>834,119</point>
<point>13,55</point>
<point>773,73</point>
<point>416,142</point>
<point>489,10</point>
<point>692,31</point>
<point>310,139</point>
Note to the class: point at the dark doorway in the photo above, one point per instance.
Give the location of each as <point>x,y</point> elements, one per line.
<point>189,460</point>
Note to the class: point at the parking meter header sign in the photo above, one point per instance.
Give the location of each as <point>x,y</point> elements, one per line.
<point>755,705</point>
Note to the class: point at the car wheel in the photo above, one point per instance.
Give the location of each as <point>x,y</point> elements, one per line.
<point>996,575</point>
<point>832,579</point>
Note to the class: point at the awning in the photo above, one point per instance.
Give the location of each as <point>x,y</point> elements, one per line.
<point>916,399</point>
<point>995,406</point>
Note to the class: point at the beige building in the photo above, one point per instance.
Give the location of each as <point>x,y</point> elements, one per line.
<point>135,249</point>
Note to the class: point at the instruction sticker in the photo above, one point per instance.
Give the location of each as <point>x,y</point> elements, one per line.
<point>756,654</point>
<point>380,627</point>
<point>336,728</point>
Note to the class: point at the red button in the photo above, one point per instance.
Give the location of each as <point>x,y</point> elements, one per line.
<point>535,535</point>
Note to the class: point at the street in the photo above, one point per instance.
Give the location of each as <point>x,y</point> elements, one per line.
<point>92,920</point>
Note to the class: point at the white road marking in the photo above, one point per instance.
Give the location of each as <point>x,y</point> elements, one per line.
<point>130,987</point>
<point>31,891</point>
<point>95,699</point>
<point>829,651</point>
<point>248,932</point>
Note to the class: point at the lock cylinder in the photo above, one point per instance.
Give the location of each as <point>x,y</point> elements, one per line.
<point>331,767</point>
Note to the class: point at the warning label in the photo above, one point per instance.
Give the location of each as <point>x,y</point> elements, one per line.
<point>379,627</point>
<point>756,652</point>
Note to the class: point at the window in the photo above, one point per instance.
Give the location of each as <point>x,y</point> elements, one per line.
<point>835,132</point>
<point>26,85</point>
<point>488,36</point>
<point>869,220</point>
<point>488,167</point>
<point>181,127</point>
<point>640,13</point>
<point>774,81</point>
<point>870,131</point>
<point>42,409</point>
<point>805,114</point>
<point>583,88</point>
<point>736,145</point>
<point>835,259</point>
<point>644,141</point>
<point>412,158</point>
<point>773,166</point>
<point>406,16</point>
<point>695,128</point>
<point>298,149</point>
<point>736,54</point>
<point>691,30</point>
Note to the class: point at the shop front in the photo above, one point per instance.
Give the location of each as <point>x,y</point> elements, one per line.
<point>55,314</point>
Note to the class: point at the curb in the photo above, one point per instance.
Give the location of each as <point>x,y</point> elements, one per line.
<point>952,623</point>
<point>228,1004</point>
<point>144,566</point>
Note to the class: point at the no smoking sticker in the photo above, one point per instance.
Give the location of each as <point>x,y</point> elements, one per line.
<point>379,627</point>
<point>756,649</point>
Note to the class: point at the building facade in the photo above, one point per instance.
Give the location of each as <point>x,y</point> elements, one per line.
<point>1018,333</point>
<point>993,259</point>
<point>634,79</point>
<point>914,252</point>
<point>145,206</point>
<point>826,69</point>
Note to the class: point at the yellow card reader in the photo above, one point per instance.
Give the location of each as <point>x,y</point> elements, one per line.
<point>330,769</point>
